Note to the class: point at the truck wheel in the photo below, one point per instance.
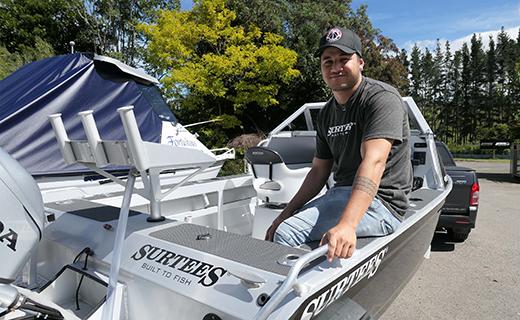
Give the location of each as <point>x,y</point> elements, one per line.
<point>458,235</point>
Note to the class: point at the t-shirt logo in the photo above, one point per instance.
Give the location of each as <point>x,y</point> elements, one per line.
<point>340,130</point>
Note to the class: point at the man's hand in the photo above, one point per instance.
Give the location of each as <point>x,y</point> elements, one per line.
<point>269,235</point>
<point>342,241</point>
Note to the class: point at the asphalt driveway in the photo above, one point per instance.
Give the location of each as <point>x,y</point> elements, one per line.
<point>479,278</point>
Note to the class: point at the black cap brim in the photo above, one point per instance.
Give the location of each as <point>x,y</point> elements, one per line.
<point>345,49</point>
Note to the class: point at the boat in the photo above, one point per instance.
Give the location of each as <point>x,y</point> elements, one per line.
<point>193,249</point>
<point>72,83</point>
<point>363,286</point>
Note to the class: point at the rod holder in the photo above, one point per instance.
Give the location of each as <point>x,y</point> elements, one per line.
<point>133,137</point>
<point>93,138</point>
<point>62,137</point>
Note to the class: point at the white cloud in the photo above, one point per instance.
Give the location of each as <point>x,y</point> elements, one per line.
<point>456,44</point>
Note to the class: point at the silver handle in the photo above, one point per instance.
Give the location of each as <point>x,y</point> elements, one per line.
<point>290,281</point>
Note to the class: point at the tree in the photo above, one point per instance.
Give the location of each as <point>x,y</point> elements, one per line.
<point>380,53</point>
<point>427,69</point>
<point>471,94</point>
<point>491,85</point>
<point>515,86</point>
<point>465,86</point>
<point>438,75</point>
<point>446,88</point>
<point>10,62</point>
<point>457,100</point>
<point>56,22</point>
<point>477,68</point>
<point>503,71</point>
<point>114,22</point>
<point>302,23</point>
<point>416,74</point>
<point>216,69</point>
<point>100,26</point>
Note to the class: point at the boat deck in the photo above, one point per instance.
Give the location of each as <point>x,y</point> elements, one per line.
<point>239,248</point>
<point>90,210</point>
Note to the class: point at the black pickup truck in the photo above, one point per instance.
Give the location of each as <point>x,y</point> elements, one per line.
<point>459,212</point>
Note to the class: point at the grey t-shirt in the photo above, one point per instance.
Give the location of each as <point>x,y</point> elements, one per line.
<point>375,110</point>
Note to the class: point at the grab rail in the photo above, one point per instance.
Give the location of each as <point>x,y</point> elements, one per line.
<point>290,281</point>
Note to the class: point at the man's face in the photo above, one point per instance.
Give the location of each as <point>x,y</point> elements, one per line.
<point>341,71</point>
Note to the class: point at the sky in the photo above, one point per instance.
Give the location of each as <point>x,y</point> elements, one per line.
<point>423,22</point>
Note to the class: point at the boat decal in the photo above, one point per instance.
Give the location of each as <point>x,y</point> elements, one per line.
<point>180,142</point>
<point>330,293</point>
<point>10,236</point>
<point>167,264</point>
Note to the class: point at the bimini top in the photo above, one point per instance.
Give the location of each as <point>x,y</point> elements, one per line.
<point>69,84</point>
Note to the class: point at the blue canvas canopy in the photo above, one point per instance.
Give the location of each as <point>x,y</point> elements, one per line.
<point>69,84</point>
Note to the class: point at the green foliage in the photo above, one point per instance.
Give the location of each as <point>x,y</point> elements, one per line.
<point>302,23</point>
<point>381,55</point>
<point>101,26</point>
<point>56,22</point>
<point>416,75</point>
<point>471,94</point>
<point>231,60</point>
<point>113,23</point>
<point>224,60</point>
<point>10,62</point>
<point>234,166</point>
<point>515,133</point>
<point>498,131</point>
<point>465,150</point>
<point>214,68</point>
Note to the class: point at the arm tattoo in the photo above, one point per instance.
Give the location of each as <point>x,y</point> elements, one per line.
<point>366,185</point>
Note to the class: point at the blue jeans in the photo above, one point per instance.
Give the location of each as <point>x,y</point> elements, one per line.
<point>318,216</point>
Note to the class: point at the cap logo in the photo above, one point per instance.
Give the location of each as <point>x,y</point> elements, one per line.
<point>333,35</point>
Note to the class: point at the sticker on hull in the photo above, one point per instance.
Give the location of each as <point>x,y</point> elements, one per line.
<point>332,292</point>
<point>176,267</point>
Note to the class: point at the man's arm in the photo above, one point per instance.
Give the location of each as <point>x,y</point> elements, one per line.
<point>313,183</point>
<point>342,237</point>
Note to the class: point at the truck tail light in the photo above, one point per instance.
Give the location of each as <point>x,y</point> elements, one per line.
<point>474,195</point>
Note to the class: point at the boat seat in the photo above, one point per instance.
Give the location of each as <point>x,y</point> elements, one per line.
<point>274,181</point>
<point>297,151</point>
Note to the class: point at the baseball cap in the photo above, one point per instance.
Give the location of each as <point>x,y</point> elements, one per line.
<point>341,38</point>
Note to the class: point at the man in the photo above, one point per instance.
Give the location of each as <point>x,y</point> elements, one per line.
<point>362,132</point>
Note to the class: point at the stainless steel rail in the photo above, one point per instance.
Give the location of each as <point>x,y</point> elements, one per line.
<point>109,308</point>
<point>290,281</point>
